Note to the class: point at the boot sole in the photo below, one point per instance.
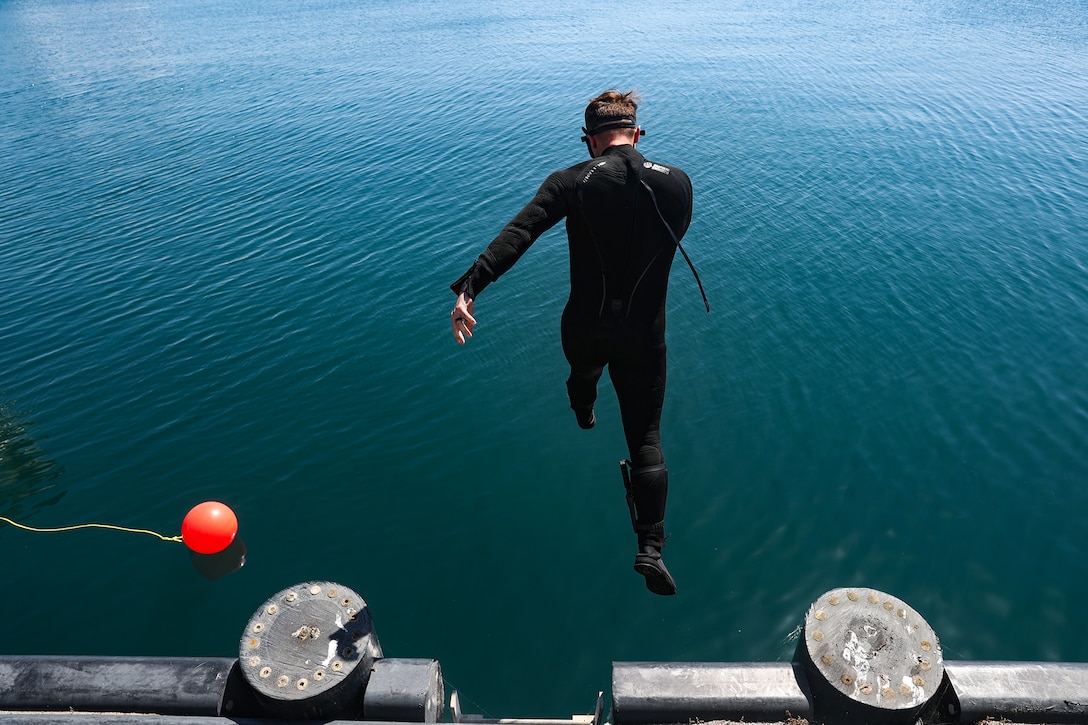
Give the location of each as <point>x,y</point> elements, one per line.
<point>658,579</point>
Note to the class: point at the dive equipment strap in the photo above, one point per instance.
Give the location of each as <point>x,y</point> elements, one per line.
<point>625,471</point>
<point>653,198</point>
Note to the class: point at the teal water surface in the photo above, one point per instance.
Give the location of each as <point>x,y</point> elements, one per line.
<point>226,235</point>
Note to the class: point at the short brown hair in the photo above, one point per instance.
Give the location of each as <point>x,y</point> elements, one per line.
<point>612,109</point>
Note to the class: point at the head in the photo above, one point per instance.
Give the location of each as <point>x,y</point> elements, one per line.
<point>611,121</point>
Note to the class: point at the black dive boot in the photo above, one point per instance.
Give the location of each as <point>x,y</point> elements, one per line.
<point>585,417</point>
<point>646,491</point>
<point>648,560</point>
<point>582,413</point>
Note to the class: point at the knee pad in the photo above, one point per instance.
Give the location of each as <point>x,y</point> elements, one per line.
<point>647,457</point>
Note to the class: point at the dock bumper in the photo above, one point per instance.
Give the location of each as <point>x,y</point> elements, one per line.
<point>646,692</point>
<point>163,685</point>
<point>1021,692</point>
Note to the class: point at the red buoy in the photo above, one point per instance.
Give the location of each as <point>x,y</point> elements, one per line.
<point>209,527</point>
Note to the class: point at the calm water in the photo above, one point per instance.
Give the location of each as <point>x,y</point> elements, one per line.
<point>226,231</point>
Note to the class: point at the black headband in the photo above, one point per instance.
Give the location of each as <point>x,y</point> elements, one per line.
<point>620,122</point>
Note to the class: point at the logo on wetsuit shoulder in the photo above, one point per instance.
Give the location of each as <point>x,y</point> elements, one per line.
<point>593,169</point>
<point>655,167</point>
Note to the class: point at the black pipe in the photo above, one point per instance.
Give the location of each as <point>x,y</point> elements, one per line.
<point>160,685</point>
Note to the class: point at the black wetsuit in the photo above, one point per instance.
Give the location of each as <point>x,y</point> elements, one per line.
<point>617,207</point>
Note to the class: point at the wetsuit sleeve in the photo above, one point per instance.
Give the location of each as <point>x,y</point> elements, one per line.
<point>538,216</point>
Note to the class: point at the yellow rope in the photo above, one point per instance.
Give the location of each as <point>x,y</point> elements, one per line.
<point>90,526</point>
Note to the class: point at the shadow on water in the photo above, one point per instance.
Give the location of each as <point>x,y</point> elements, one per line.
<point>26,474</point>
<point>227,561</point>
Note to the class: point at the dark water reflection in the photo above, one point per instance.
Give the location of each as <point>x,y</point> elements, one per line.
<point>28,477</point>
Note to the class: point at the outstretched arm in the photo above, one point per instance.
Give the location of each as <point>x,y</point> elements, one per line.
<point>538,216</point>
<point>461,318</point>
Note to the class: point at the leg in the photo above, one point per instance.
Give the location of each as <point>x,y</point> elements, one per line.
<point>640,387</point>
<point>639,379</point>
<point>585,372</point>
